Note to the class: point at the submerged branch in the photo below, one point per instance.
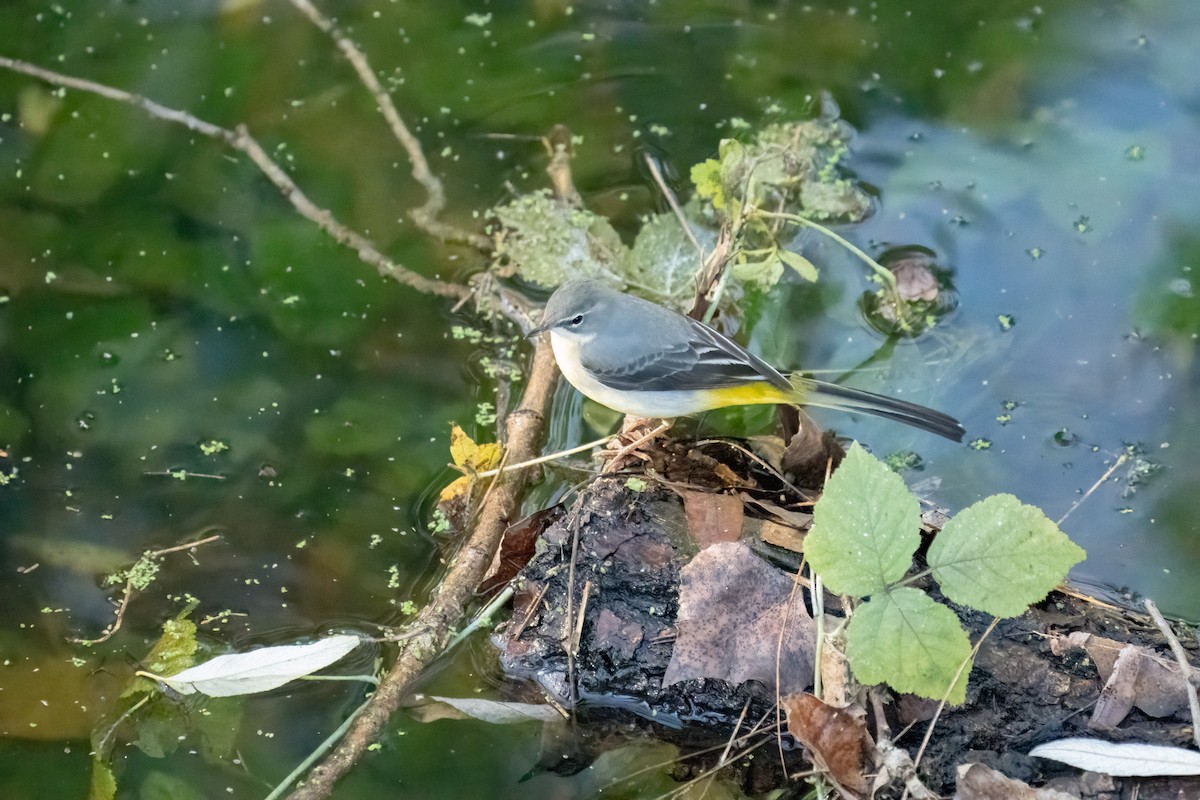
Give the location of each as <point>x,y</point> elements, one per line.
<point>525,430</point>
<point>241,140</point>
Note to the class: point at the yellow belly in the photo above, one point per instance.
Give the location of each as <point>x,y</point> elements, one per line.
<point>650,403</point>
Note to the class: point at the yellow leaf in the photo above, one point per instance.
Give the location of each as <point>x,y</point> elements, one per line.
<point>466,453</point>
<point>457,487</point>
<point>471,457</point>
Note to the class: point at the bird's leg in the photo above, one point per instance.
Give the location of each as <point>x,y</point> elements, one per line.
<point>635,433</point>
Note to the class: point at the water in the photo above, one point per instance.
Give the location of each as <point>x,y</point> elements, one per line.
<point>165,310</point>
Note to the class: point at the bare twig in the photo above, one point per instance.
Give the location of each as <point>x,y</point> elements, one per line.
<point>577,635</point>
<point>1107,474</point>
<point>118,620</point>
<point>240,139</point>
<point>1184,665</point>
<point>128,592</point>
<point>445,608</point>
<point>576,523</point>
<point>656,173</point>
<point>425,217</point>
<point>542,459</point>
<point>787,612</point>
<point>182,474</point>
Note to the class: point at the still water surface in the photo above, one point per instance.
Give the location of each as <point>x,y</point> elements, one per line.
<point>163,309</point>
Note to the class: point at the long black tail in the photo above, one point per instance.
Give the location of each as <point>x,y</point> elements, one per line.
<point>830,395</point>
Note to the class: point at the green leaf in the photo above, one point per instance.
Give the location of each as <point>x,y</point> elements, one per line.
<point>173,652</point>
<point>911,643</point>
<point>216,722</point>
<point>706,177</point>
<point>865,527</point>
<point>103,785</point>
<point>1001,555</point>
<point>765,273</point>
<point>803,267</point>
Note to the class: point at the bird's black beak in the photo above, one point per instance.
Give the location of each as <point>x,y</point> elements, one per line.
<point>545,326</point>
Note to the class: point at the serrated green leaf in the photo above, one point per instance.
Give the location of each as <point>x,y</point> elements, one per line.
<point>911,643</point>
<point>803,267</point>
<point>1001,555</point>
<point>865,527</point>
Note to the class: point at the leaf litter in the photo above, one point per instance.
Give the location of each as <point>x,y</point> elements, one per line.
<point>667,639</point>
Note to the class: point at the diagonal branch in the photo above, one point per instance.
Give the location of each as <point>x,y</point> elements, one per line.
<point>445,608</point>
<point>426,217</point>
<point>241,140</point>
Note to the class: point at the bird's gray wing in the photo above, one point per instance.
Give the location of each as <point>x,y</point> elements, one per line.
<point>700,358</point>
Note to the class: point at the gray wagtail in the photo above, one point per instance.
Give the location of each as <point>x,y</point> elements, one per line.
<point>642,359</point>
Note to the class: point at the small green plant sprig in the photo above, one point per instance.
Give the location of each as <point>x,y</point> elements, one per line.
<point>997,556</point>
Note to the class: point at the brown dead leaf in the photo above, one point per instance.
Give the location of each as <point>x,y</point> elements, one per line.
<point>518,546</point>
<point>801,520</point>
<point>769,449</point>
<point>808,454</point>
<point>712,517</point>
<point>1117,696</point>
<point>732,611</point>
<point>784,536</point>
<point>728,476</point>
<point>977,782</point>
<point>1159,688</point>
<point>837,738</point>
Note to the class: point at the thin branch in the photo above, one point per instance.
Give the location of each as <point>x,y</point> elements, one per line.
<point>118,620</point>
<point>240,139</point>
<point>186,546</point>
<point>128,592</point>
<point>1185,667</point>
<point>445,608</point>
<point>426,217</point>
<point>543,459</point>
<point>656,173</point>
<point>1107,474</point>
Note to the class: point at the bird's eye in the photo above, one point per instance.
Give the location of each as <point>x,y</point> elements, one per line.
<point>577,319</point>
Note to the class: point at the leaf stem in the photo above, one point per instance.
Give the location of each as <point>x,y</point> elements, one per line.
<point>911,579</point>
<point>316,754</point>
<point>480,618</point>
<point>884,275</point>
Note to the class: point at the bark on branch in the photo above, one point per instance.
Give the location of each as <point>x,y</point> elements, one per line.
<point>525,428</point>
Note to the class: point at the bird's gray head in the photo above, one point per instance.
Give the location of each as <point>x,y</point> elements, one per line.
<point>575,308</point>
